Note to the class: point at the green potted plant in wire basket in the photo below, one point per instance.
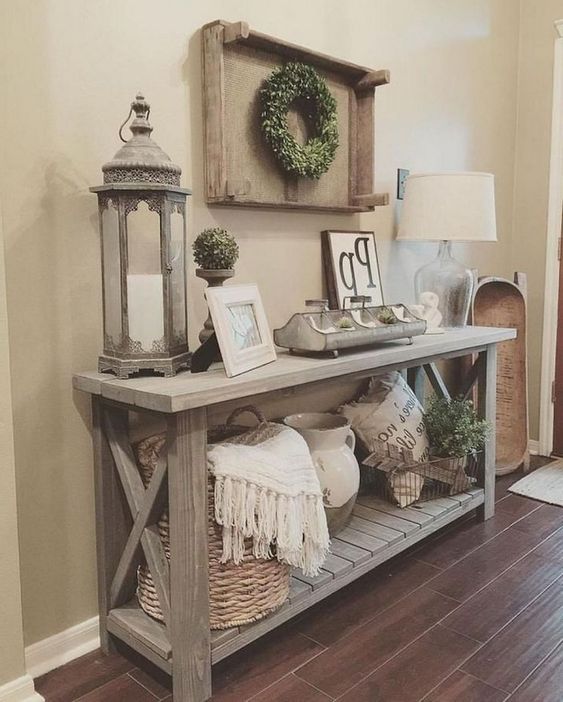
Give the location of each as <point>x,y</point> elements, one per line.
<point>215,253</point>
<point>457,436</point>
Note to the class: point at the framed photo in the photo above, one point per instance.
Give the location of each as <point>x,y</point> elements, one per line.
<point>241,326</point>
<point>351,266</point>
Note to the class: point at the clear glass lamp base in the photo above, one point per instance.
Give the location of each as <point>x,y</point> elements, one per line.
<point>451,282</point>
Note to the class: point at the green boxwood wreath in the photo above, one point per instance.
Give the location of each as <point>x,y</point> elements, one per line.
<point>285,85</point>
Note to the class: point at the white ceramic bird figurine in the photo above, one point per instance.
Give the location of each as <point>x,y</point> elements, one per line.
<point>427,309</point>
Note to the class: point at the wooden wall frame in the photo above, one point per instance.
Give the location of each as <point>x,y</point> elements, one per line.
<point>232,179</point>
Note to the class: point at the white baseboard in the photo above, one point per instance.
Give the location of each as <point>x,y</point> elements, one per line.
<point>62,648</point>
<point>20,690</point>
<point>534,447</point>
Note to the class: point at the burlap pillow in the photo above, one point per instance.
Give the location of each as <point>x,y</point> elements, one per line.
<point>390,412</point>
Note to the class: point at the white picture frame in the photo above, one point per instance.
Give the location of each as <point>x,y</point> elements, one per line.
<point>351,266</point>
<point>241,326</point>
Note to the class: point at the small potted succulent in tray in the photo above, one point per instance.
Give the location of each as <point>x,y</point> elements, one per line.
<point>345,324</point>
<point>387,316</point>
<point>456,435</point>
<point>215,252</point>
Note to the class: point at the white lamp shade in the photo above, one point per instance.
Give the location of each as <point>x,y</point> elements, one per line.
<point>449,207</point>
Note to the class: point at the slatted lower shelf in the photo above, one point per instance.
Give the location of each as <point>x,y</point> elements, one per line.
<point>377,531</point>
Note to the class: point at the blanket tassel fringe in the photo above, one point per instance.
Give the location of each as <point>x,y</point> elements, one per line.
<point>294,524</point>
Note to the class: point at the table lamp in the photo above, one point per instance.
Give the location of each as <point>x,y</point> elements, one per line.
<point>447,207</point>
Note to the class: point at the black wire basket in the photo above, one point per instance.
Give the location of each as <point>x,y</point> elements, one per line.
<point>393,474</point>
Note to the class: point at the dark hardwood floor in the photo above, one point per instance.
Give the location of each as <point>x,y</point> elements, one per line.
<point>473,615</point>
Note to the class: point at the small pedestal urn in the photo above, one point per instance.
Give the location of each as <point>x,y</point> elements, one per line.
<point>214,278</point>
<point>331,442</point>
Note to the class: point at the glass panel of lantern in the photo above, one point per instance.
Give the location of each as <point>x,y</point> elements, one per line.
<point>111,274</point>
<point>178,273</point>
<point>145,301</point>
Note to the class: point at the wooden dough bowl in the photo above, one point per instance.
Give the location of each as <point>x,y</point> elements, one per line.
<point>500,303</point>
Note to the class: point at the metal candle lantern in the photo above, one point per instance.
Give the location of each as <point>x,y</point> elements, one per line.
<point>142,211</point>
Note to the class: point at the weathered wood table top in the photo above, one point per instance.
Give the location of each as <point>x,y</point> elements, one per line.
<point>189,391</point>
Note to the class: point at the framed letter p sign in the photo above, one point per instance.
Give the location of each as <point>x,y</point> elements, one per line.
<point>351,267</point>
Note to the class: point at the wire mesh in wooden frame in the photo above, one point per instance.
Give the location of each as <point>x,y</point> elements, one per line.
<point>392,473</point>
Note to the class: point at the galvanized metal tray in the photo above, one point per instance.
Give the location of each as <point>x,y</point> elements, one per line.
<point>334,330</point>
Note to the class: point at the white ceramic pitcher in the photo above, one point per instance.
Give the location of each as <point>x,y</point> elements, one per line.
<point>331,442</point>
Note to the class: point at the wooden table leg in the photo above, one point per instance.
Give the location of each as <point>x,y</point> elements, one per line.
<point>189,584</point>
<point>486,407</point>
<point>113,521</point>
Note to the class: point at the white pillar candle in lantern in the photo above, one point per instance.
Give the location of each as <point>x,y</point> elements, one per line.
<point>144,308</point>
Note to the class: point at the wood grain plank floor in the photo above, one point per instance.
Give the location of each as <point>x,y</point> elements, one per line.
<point>291,689</point>
<point>545,684</point>
<point>262,663</point>
<point>473,572</point>
<point>124,689</point>
<point>363,600</point>
<point>489,610</point>
<point>542,522</point>
<point>552,548</point>
<point>448,548</point>
<point>353,658</point>
<point>510,656</point>
<point>461,687</point>
<point>517,506</point>
<point>474,615</point>
<point>82,676</point>
<point>415,671</point>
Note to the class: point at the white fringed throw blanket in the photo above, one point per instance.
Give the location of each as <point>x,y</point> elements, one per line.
<point>270,493</point>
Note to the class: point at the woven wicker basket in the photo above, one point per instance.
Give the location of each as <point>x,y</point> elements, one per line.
<point>238,594</point>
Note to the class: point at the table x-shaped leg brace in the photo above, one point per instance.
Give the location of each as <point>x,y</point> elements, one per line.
<point>146,507</point>
<point>437,382</point>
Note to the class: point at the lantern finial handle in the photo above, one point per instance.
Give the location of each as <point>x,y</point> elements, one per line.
<point>140,125</point>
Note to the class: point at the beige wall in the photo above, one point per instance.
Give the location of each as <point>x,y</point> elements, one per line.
<point>11,636</point>
<point>75,66</point>
<point>535,84</point>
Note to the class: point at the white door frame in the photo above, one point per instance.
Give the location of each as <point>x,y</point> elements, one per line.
<point>551,294</point>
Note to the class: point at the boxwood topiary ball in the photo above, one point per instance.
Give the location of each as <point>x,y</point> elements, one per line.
<point>215,249</point>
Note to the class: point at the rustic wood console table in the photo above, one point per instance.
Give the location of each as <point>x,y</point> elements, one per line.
<point>127,513</point>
